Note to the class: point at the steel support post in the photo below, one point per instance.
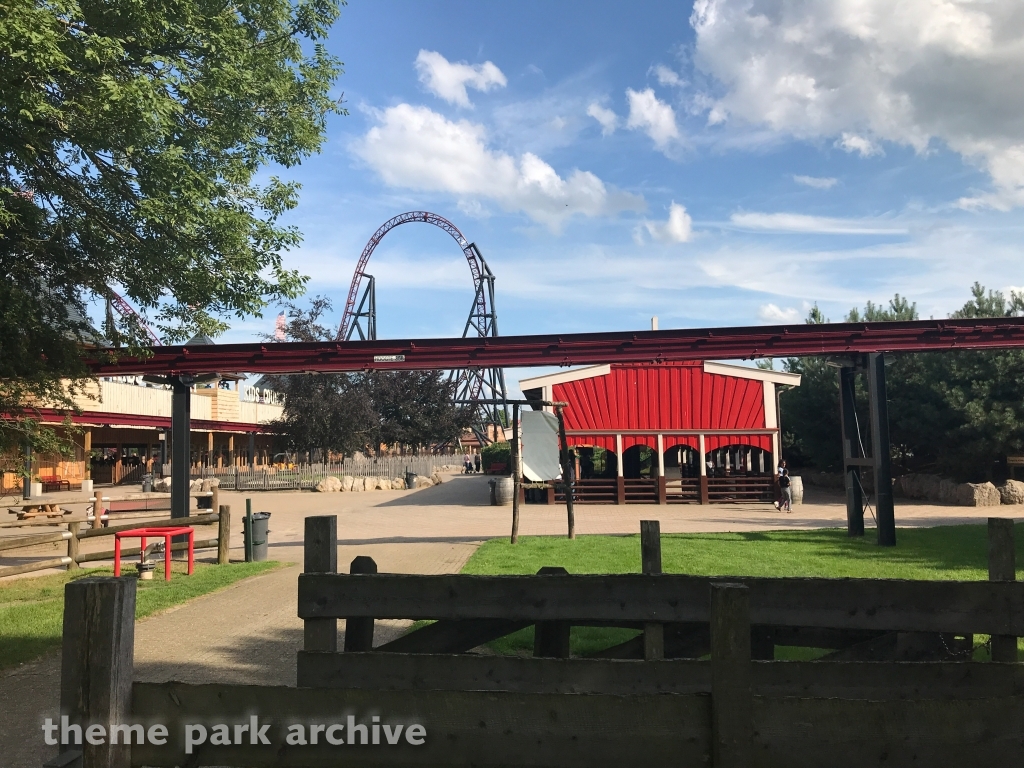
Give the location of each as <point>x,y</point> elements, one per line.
<point>181,444</point>
<point>26,481</point>
<point>851,450</point>
<point>880,451</point>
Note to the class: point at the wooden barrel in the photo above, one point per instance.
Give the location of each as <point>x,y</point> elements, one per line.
<point>503,491</point>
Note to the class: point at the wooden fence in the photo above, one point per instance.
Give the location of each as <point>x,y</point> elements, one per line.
<point>660,703</point>
<point>660,490</point>
<point>307,476</point>
<point>107,523</point>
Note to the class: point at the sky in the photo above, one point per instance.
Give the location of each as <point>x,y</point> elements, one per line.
<point>727,162</point>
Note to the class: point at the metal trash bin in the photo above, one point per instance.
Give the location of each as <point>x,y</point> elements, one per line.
<point>410,481</point>
<point>147,482</point>
<point>494,498</point>
<point>259,530</point>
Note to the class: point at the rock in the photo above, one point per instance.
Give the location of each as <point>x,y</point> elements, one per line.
<point>381,484</point>
<point>978,495</point>
<point>915,486</point>
<point>369,483</point>
<point>398,483</point>
<point>357,484</point>
<point>436,478</point>
<point>1012,492</point>
<point>195,486</point>
<point>329,485</point>
<point>346,482</point>
<point>422,481</point>
<point>948,492</point>
<point>208,484</point>
<point>162,485</point>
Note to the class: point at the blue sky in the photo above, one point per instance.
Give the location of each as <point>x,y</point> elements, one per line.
<point>728,164</point>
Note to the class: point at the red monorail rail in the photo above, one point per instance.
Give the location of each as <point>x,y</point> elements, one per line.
<point>576,349</point>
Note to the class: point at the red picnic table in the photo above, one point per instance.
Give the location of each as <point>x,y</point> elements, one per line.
<point>166,534</point>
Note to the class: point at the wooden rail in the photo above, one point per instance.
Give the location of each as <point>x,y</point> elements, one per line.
<point>729,711</point>
<point>75,534</point>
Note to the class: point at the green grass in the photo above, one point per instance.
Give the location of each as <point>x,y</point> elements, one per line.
<point>955,553</point>
<point>31,610</point>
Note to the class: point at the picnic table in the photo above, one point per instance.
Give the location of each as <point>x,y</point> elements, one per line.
<point>167,534</point>
<point>32,509</point>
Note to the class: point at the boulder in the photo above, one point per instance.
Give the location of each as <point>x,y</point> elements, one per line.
<point>346,482</point>
<point>381,484</point>
<point>357,484</point>
<point>369,483</point>
<point>329,485</point>
<point>918,486</point>
<point>949,492</point>
<point>162,485</point>
<point>398,483</point>
<point>436,478</point>
<point>422,481</point>
<point>209,484</point>
<point>195,486</point>
<point>1012,492</point>
<point>981,495</point>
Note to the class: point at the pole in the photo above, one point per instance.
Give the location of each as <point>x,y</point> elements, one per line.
<point>248,530</point>
<point>26,481</point>
<point>181,446</point>
<point>851,450</point>
<point>566,475</point>
<point>515,473</point>
<point>880,451</point>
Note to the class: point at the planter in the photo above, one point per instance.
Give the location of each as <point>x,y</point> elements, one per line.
<point>35,490</point>
<point>87,487</point>
<point>145,571</point>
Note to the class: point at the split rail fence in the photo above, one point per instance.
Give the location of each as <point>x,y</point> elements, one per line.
<point>691,689</point>
<point>74,530</point>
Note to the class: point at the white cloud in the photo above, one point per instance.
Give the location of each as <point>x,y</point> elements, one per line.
<point>667,76</point>
<point>609,120</point>
<point>678,228</point>
<point>449,80</point>
<point>823,225</point>
<point>772,313</point>
<point>816,182</point>
<point>417,148</point>
<point>851,142</point>
<point>655,117</point>
<point>875,71</point>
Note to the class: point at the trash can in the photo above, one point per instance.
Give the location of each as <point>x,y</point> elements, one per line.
<point>260,535</point>
<point>147,482</point>
<point>494,497</point>
<point>410,481</point>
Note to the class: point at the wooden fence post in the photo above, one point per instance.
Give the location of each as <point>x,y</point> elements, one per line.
<point>1002,567</point>
<point>320,555</point>
<point>732,725</point>
<point>96,664</point>
<point>224,535</point>
<point>551,638</point>
<point>650,562</point>
<point>73,546</point>
<point>516,481</point>
<point>359,629</point>
<point>567,474</point>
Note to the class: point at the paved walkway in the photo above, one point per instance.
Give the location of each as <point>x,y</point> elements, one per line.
<point>249,633</point>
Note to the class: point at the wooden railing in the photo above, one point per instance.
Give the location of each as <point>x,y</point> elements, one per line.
<point>669,706</point>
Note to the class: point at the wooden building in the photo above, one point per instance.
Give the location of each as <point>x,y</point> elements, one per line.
<point>669,432</point>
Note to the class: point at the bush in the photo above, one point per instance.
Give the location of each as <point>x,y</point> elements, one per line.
<point>496,453</point>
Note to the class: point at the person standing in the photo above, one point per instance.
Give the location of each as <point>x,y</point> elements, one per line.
<point>476,461</point>
<point>467,465</point>
<point>786,487</point>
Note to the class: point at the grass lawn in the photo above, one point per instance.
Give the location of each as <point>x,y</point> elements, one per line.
<point>958,553</point>
<point>32,610</point>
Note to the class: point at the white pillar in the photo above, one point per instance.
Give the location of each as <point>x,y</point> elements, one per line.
<point>700,458</point>
<point>661,456</point>
<point>618,450</point>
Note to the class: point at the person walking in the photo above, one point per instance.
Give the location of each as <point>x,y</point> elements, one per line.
<point>778,484</point>
<point>467,465</point>
<point>786,487</point>
<point>476,461</point>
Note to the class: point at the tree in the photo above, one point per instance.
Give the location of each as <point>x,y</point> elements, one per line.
<point>416,408</point>
<point>133,136</point>
<point>344,412</point>
<point>957,413</point>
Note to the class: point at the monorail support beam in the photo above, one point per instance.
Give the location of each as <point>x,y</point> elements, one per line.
<point>181,443</point>
<point>881,450</point>
<point>851,450</point>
